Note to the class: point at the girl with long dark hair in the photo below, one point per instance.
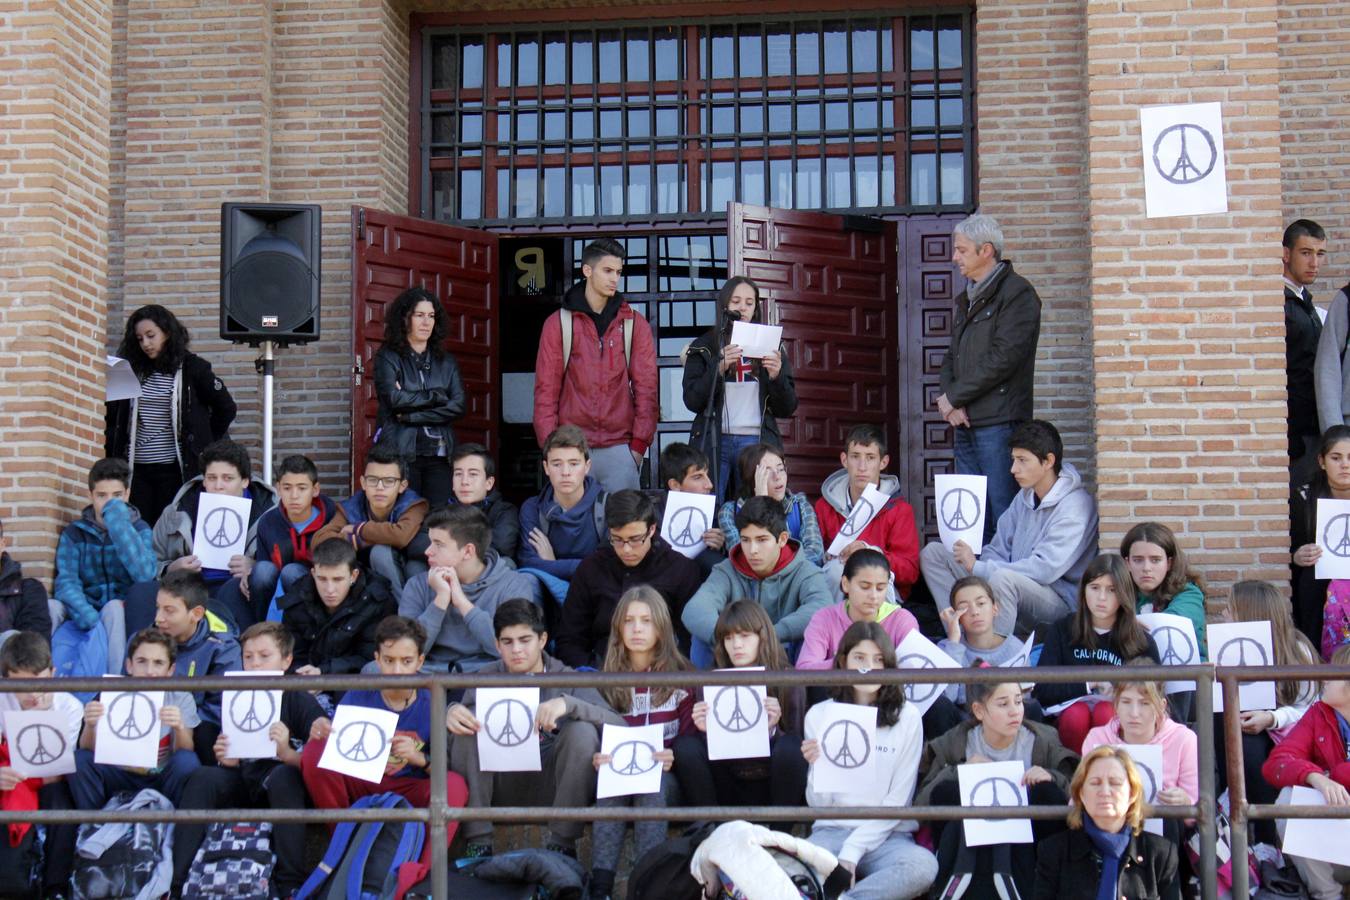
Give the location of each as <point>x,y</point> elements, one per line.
<point>763,473</point>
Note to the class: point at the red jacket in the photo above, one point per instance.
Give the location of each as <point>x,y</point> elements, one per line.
<point>892,530</point>
<point>612,401</point>
<point>1314,747</point>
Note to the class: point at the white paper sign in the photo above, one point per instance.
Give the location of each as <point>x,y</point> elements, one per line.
<point>738,723</point>
<point>507,740</point>
<point>246,717</point>
<point>39,746</point>
<point>632,767</point>
<point>360,741</point>
<point>128,732</point>
<point>994,784</point>
<point>1243,644</point>
<point>1327,840</point>
<point>918,652</point>
<point>122,382</point>
<point>1090,699</point>
<point>222,529</point>
<point>859,517</point>
<point>848,756</point>
<point>1183,158</point>
<point>960,509</point>
<point>1022,659</point>
<point>756,341</point>
<point>1333,536</point>
<point>1175,639</point>
<point>1149,761</point>
<point>686,518</point>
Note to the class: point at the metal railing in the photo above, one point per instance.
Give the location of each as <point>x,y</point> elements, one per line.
<point>438,814</point>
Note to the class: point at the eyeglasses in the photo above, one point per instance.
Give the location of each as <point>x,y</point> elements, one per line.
<point>372,481</point>
<point>619,543</point>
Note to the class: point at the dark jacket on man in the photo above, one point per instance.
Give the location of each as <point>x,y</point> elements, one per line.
<point>583,629</point>
<point>991,363</point>
<point>1302,331</point>
<point>777,396</point>
<point>205,411</point>
<point>1068,867</point>
<point>503,518</point>
<point>415,394</point>
<point>343,641</point>
<point>23,601</point>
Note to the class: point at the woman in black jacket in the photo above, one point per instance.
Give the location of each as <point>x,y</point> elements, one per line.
<point>183,407</point>
<point>1106,853</point>
<point>736,401</point>
<point>1331,482</point>
<point>420,392</point>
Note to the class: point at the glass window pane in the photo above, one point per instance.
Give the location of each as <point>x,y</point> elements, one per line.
<point>667,54</point>
<point>888,180</point>
<point>471,128</point>
<point>865,181</point>
<point>723,189</point>
<point>808,53</point>
<point>503,127</point>
<point>669,188</point>
<point>667,122</point>
<point>442,196</point>
<point>608,54</point>
<point>749,49</point>
<point>583,191</point>
<point>923,179</point>
<point>611,190</point>
<point>836,116</point>
<point>921,113</point>
<point>582,61</point>
<point>752,118</point>
<point>443,53</point>
<point>637,49</point>
<point>778,40</point>
<point>583,124</point>
<point>838,188</point>
<point>527,126</point>
<point>639,122</point>
<point>504,62</point>
<point>611,124</point>
<point>949,42</point>
<point>864,40</point>
<point>471,65</point>
<point>808,117</point>
<point>555,192</point>
<point>724,120</point>
<point>951,111</point>
<point>808,184</point>
<point>470,194</point>
<point>780,183</point>
<point>672,395</point>
<point>921,49</point>
<point>555,58</point>
<point>752,181</point>
<point>953,177</point>
<point>723,64</point>
<point>836,47</point>
<point>555,125</point>
<point>442,128</point>
<point>503,193</point>
<point>527,60</point>
<point>887,54</point>
<point>865,115</point>
<point>639,189</point>
<point>780,118</point>
<point>527,193</point>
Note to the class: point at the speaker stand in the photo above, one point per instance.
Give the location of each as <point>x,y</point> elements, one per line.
<point>266,365</point>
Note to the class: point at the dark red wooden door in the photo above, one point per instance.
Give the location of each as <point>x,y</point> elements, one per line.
<point>459,265</point>
<point>831,283</point>
<point>931,283</point>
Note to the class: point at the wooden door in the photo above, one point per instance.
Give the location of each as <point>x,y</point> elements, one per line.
<point>459,265</point>
<point>830,281</point>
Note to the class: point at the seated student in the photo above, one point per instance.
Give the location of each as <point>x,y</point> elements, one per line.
<point>892,529</point>
<point>100,556</point>
<point>1315,755</point>
<point>744,637</point>
<point>767,567</point>
<point>225,470</point>
<point>685,468</point>
<point>880,853</point>
<point>400,643</point>
<point>333,612</point>
<point>562,526</point>
<point>1163,581</point>
<point>1043,542</point>
<point>998,733</point>
<point>23,601</point>
<point>286,533</point>
<point>473,475</point>
<point>383,521</point>
<point>642,639</point>
<point>567,719</point>
<point>258,783</point>
<point>636,555</point>
<point>455,600</point>
<point>1103,632</point>
<point>27,654</point>
<point>971,638</point>
<point>180,612</point>
<point>764,474</point>
<point>150,654</point>
<point>865,579</point>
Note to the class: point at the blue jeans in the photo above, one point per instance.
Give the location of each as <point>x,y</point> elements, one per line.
<point>729,462</point>
<point>262,582</point>
<point>94,783</point>
<point>984,451</point>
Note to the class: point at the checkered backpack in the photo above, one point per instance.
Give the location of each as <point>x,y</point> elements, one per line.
<point>234,863</point>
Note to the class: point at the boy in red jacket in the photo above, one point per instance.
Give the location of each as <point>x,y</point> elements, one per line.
<point>1314,754</point>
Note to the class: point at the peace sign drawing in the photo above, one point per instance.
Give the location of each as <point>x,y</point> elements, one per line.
<point>960,509</point>
<point>918,693</point>
<point>633,758</point>
<point>223,527</point>
<point>687,527</point>
<point>1175,647</point>
<point>1336,535</point>
<point>131,715</point>
<point>252,711</point>
<point>737,708</point>
<point>996,791</point>
<point>362,741</point>
<point>40,744</point>
<point>846,744</point>
<point>1184,153</point>
<point>508,723</point>
<point>1242,651</point>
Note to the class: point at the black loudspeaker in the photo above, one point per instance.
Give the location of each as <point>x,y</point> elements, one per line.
<point>269,272</point>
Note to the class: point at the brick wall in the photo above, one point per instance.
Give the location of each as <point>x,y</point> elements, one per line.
<point>1186,312</point>
<point>54,90</point>
<point>1032,177</point>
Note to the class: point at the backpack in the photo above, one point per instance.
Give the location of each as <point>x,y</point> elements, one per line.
<point>234,861</point>
<point>803,877</point>
<point>565,322</point>
<point>1336,617</point>
<point>80,654</point>
<point>21,866</point>
<point>597,517</point>
<point>662,873</point>
<point>364,859</point>
<point>123,859</point>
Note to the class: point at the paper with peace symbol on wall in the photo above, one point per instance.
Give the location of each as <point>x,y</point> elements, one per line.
<point>1183,157</point>
<point>39,745</point>
<point>222,529</point>
<point>1333,536</point>
<point>738,721</point>
<point>128,732</point>
<point>960,509</point>
<point>246,717</point>
<point>632,767</point>
<point>848,756</point>
<point>507,738</point>
<point>686,518</point>
<point>1174,636</point>
<point>1243,644</point>
<point>359,742</point>
<point>994,784</point>
<point>918,652</point>
<point>859,517</point>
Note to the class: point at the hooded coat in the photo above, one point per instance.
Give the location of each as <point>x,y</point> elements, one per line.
<point>574,533</point>
<point>173,531</point>
<point>97,563</point>
<point>791,594</point>
<point>340,642</point>
<point>892,530</point>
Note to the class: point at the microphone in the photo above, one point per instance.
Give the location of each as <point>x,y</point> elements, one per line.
<point>729,318</point>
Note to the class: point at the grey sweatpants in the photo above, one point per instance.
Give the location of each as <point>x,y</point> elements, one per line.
<point>614,468</point>
<point>1023,605</point>
<point>897,870</point>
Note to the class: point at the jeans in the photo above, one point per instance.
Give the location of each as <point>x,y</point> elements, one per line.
<point>729,462</point>
<point>984,451</point>
<point>94,783</point>
<point>897,870</point>
<point>398,567</point>
<point>263,580</point>
<point>430,477</point>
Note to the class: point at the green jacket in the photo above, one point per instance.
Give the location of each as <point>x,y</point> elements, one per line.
<point>1190,604</point>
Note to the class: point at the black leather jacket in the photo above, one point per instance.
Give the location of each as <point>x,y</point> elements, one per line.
<point>412,397</point>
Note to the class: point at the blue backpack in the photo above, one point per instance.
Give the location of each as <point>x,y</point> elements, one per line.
<point>364,859</point>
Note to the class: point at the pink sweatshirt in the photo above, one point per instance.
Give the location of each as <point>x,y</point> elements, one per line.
<point>1179,752</point>
<point>821,640</point>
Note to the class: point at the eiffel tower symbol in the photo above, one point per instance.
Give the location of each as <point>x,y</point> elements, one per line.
<point>40,755</point>
<point>251,720</point>
<point>1184,165</point>
<point>633,767</point>
<point>738,720</point>
<point>844,757</point>
<point>508,735</point>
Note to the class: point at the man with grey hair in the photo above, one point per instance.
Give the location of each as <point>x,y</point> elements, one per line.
<point>988,371</point>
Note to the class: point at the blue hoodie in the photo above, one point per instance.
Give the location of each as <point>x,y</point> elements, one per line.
<point>97,563</point>
<point>208,652</point>
<point>574,533</point>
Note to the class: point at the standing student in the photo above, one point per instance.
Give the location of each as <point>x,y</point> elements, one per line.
<point>182,408</point>
<point>1103,631</point>
<point>744,638</point>
<point>1305,250</point>
<point>420,392</point>
<point>286,532</point>
<point>642,639</point>
<point>736,401</point>
<point>473,475</point>
<point>1331,481</point>
<point>1331,376</point>
<point>763,473</point>
<point>596,369</point>
<point>1163,581</point>
<point>881,854</point>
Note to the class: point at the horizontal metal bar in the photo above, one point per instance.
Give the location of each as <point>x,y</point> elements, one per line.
<point>1273,811</point>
